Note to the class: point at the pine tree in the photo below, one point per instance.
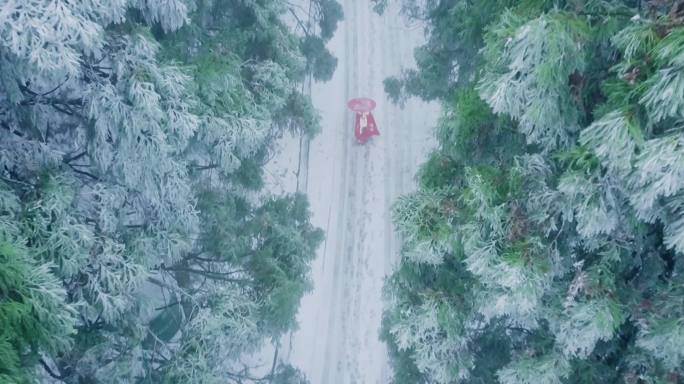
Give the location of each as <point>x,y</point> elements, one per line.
<point>561,150</point>
<point>136,244</point>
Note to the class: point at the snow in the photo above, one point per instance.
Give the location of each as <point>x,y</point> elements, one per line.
<point>351,189</point>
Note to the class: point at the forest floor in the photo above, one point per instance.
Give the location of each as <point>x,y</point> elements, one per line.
<point>351,188</point>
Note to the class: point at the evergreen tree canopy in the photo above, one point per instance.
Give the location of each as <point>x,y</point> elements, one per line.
<point>135,243</point>
<point>545,242</point>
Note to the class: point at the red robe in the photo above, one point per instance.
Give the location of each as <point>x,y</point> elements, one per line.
<point>362,136</point>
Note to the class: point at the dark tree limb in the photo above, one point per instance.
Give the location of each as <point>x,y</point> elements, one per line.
<point>69,159</point>
<point>50,371</point>
<point>211,275</point>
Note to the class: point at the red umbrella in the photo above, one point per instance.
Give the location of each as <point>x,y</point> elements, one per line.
<point>361,104</point>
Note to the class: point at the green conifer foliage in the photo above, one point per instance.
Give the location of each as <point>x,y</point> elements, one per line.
<point>136,244</point>
<point>562,155</point>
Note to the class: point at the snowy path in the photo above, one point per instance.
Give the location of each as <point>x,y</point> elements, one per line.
<point>351,189</point>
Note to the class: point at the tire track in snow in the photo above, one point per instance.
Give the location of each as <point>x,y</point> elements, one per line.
<point>348,371</point>
<point>355,249</point>
<point>341,333</point>
<point>333,344</point>
<point>390,164</point>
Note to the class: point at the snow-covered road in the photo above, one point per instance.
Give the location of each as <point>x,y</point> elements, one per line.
<point>351,189</point>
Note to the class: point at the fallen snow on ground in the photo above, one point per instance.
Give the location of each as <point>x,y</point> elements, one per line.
<point>351,189</point>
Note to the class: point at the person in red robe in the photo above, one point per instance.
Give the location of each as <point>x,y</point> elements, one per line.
<point>365,127</point>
